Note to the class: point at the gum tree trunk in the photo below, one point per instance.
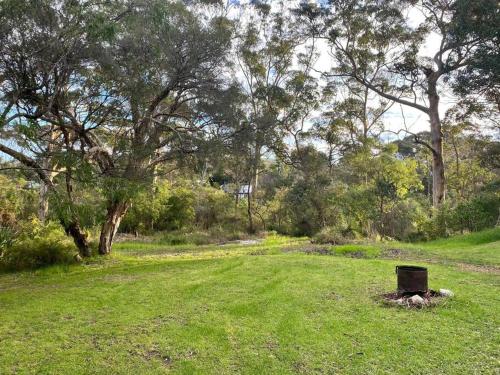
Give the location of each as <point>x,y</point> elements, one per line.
<point>116,211</point>
<point>79,237</point>
<point>43,192</point>
<point>43,202</point>
<point>432,110</point>
<point>251,228</point>
<point>438,177</point>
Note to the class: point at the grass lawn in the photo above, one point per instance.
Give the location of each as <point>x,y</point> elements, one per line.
<point>268,308</point>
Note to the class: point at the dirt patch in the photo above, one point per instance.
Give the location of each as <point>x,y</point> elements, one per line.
<point>310,249</point>
<point>189,354</point>
<point>167,319</point>
<point>257,252</point>
<point>478,268</point>
<point>300,367</point>
<point>241,242</point>
<point>358,254</point>
<point>154,353</point>
<point>290,249</point>
<point>469,267</point>
<point>394,253</point>
<point>318,250</point>
<point>411,301</point>
<point>333,296</point>
<point>271,345</point>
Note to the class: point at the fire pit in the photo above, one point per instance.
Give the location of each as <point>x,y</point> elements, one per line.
<point>412,280</point>
<point>413,290</point>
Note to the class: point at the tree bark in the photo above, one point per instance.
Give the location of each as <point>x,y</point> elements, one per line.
<point>251,228</point>
<point>43,193</point>
<point>116,211</point>
<point>438,178</point>
<point>43,202</point>
<point>79,237</point>
<point>47,164</point>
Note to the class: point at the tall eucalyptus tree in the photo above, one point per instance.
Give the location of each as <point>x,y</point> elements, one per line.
<point>120,83</point>
<point>380,46</point>
<point>274,62</point>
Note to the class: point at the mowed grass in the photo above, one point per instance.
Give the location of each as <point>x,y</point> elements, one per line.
<point>482,248</point>
<point>264,308</point>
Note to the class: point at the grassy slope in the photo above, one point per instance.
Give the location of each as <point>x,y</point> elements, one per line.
<point>476,248</point>
<point>210,309</point>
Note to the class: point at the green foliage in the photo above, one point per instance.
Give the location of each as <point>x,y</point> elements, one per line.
<point>147,208</point>
<point>479,213</point>
<point>36,245</point>
<point>213,207</point>
<point>333,235</point>
<point>7,237</point>
<point>179,210</point>
<point>17,200</point>
<point>85,205</point>
<point>308,204</point>
<point>404,221</point>
<point>182,207</point>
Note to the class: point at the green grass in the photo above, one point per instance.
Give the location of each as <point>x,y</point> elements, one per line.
<point>360,251</point>
<point>254,309</point>
<point>482,248</point>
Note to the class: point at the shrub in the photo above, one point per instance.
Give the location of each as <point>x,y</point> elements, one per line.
<point>213,207</point>
<point>178,211</point>
<point>479,213</point>
<point>7,237</point>
<point>35,254</point>
<point>213,236</point>
<point>36,246</point>
<point>436,225</point>
<point>404,221</point>
<point>333,235</point>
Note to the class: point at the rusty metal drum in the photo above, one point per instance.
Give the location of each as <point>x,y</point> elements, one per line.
<point>411,279</point>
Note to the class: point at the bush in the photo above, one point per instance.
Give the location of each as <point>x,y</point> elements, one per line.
<point>436,225</point>
<point>7,237</point>
<point>213,236</point>
<point>35,254</point>
<point>405,221</point>
<point>36,246</point>
<point>477,214</point>
<point>213,207</point>
<point>334,236</point>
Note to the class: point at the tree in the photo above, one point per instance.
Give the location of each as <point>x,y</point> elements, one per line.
<point>162,61</point>
<point>43,49</point>
<point>121,82</point>
<point>375,44</point>
<point>275,64</point>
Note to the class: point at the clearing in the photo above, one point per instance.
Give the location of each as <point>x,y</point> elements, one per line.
<point>282,306</point>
